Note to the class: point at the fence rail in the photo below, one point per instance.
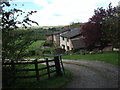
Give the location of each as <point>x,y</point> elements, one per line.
<point>37,69</point>
<point>48,67</point>
<point>23,62</point>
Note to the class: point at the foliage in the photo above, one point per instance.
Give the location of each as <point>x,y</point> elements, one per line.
<point>102,27</point>
<point>15,42</point>
<point>111,27</point>
<point>59,51</point>
<point>92,34</point>
<point>48,44</point>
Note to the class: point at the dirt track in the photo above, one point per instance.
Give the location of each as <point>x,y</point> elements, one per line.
<point>92,74</point>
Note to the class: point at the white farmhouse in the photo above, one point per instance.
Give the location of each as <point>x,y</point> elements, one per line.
<point>72,40</point>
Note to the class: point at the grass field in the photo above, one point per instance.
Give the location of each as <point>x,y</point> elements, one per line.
<point>109,57</point>
<point>53,82</point>
<point>37,44</point>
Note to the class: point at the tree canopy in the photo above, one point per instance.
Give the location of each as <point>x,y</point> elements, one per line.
<point>102,27</point>
<point>14,41</point>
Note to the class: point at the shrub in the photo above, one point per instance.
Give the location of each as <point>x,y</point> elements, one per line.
<point>59,51</point>
<point>70,52</point>
<point>46,52</point>
<point>48,44</point>
<point>32,52</point>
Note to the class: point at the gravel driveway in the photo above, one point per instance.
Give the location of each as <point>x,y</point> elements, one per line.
<point>92,74</point>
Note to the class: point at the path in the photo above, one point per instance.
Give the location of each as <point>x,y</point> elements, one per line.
<point>92,74</point>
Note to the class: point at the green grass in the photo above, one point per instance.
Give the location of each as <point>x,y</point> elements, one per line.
<point>51,48</point>
<point>109,57</point>
<point>53,82</point>
<point>37,44</point>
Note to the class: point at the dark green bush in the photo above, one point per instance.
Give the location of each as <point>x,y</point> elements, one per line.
<point>48,44</point>
<point>59,51</point>
<point>32,52</point>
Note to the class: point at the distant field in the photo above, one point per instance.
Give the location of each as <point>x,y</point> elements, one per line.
<point>37,44</point>
<point>109,57</point>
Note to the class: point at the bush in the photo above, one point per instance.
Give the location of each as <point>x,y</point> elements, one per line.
<point>83,52</point>
<point>46,52</point>
<point>59,51</point>
<point>70,52</point>
<point>39,52</point>
<point>8,77</point>
<point>48,44</point>
<point>32,52</point>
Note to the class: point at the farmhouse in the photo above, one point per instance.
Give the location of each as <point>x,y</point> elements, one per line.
<point>49,37</point>
<point>72,40</point>
<point>55,37</point>
<point>69,39</point>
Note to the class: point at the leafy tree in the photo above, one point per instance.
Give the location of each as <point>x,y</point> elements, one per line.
<point>111,26</point>
<point>14,41</point>
<point>102,27</point>
<point>92,34</point>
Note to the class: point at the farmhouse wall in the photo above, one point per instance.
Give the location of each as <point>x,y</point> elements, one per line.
<point>56,39</point>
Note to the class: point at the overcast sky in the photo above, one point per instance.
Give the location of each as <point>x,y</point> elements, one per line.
<point>62,12</point>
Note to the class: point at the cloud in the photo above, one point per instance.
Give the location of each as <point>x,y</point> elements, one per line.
<point>62,12</point>
<point>57,14</point>
<point>43,3</point>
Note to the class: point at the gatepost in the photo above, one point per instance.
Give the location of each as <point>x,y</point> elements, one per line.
<point>57,66</point>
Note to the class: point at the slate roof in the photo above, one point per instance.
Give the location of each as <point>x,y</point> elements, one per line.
<point>78,43</point>
<point>60,31</point>
<point>57,32</point>
<point>72,33</point>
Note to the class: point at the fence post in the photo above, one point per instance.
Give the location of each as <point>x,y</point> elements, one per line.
<point>48,69</point>
<point>37,70</point>
<point>12,65</point>
<point>13,70</point>
<point>57,66</point>
<point>62,65</point>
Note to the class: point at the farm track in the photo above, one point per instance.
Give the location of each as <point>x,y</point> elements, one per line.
<point>92,74</point>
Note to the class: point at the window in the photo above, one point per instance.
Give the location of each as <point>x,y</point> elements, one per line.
<point>68,48</point>
<point>67,40</point>
<point>63,38</point>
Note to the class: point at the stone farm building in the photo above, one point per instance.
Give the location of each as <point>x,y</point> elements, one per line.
<point>67,39</point>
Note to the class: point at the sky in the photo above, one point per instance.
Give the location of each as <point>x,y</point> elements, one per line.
<point>61,12</point>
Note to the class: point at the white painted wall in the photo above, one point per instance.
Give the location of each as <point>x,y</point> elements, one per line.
<point>66,43</point>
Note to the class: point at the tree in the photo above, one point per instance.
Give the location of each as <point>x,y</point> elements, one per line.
<point>102,27</point>
<point>14,41</point>
<point>111,26</point>
<point>92,34</point>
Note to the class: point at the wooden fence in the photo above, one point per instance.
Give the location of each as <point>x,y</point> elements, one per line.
<point>57,65</point>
